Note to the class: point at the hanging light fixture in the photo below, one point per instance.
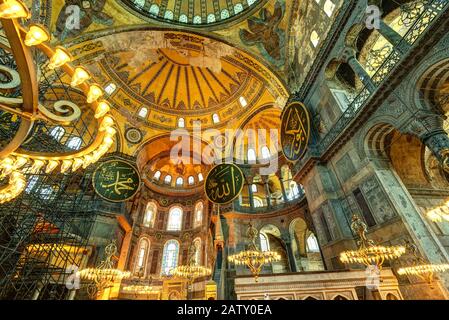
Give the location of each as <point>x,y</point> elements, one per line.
<point>80,75</point>
<point>102,108</point>
<point>95,92</point>
<point>254,258</point>
<point>36,35</point>
<point>104,275</point>
<point>420,267</point>
<point>59,58</point>
<point>12,9</point>
<point>368,252</point>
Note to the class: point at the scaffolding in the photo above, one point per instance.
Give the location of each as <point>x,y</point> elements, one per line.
<point>44,237</point>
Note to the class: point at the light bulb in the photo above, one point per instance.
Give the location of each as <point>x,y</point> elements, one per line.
<point>52,164</point>
<point>106,123</point>
<point>110,131</point>
<point>37,165</point>
<point>77,163</point>
<point>20,162</point>
<point>87,161</point>
<point>12,9</point>
<point>108,141</point>
<point>102,108</point>
<point>36,35</point>
<point>80,75</point>
<point>95,92</point>
<point>66,165</point>
<point>59,58</point>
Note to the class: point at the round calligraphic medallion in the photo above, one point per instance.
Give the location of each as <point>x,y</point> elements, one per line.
<point>295,131</point>
<point>116,180</point>
<point>224,183</point>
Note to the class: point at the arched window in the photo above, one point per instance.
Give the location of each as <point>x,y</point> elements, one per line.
<point>110,88</point>
<point>179,182</point>
<point>157,175</point>
<point>258,203</point>
<point>150,215</point>
<point>254,188</point>
<point>266,153</point>
<point>170,257</point>
<point>315,38</point>
<point>74,143</point>
<point>143,112</point>
<point>181,123</point>
<point>200,177</point>
<point>329,7</point>
<point>167,179</point>
<point>312,244</point>
<point>168,15</point>
<point>142,256</point>
<point>191,180</point>
<point>215,118</point>
<point>238,8</point>
<point>251,155</point>
<point>264,244</point>
<point>57,133</point>
<point>183,18</point>
<point>211,18</point>
<point>174,219</point>
<point>243,102</point>
<point>154,9</point>
<point>197,244</point>
<point>196,20</point>
<point>198,214</point>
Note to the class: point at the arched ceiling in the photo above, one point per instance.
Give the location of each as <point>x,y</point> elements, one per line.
<point>180,75</point>
<point>191,12</point>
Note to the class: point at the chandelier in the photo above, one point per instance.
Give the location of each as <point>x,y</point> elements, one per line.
<point>421,268</point>
<point>35,71</point>
<point>104,275</point>
<point>254,258</point>
<point>192,270</point>
<point>439,214</point>
<point>369,253</point>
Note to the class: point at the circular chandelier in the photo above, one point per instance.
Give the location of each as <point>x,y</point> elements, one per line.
<point>192,270</point>
<point>420,267</point>
<point>104,275</point>
<point>35,59</point>
<point>369,253</point>
<point>439,214</point>
<point>254,258</point>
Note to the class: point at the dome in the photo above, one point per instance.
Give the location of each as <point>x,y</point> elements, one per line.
<point>194,13</point>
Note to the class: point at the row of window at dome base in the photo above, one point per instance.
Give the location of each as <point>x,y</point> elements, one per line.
<point>170,256</point>
<point>175,216</point>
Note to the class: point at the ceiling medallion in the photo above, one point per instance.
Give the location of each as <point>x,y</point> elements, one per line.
<point>133,135</point>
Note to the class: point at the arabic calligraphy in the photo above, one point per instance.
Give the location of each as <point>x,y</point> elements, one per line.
<point>295,131</point>
<point>116,180</point>
<point>224,183</point>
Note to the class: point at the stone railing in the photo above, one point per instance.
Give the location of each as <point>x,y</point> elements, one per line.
<point>433,10</point>
<point>318,285</point>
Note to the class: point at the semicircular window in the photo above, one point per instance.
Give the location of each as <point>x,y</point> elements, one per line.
<point>192,12</point>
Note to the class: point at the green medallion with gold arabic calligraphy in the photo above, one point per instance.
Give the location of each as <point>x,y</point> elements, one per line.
<point>116,180</point>
<point>295,131</point>
<point>224,183</point>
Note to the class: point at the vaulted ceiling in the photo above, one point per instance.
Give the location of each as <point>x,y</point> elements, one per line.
<point>195,13</point>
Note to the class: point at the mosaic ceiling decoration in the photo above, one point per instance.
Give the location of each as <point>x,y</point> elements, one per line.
<point>178,76</point>
<point>192,12</point>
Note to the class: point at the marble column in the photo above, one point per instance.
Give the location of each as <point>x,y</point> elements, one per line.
<point>394,38</point>
<point>284,194</point>
<point>361,73</point>
<point>267,193</point>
